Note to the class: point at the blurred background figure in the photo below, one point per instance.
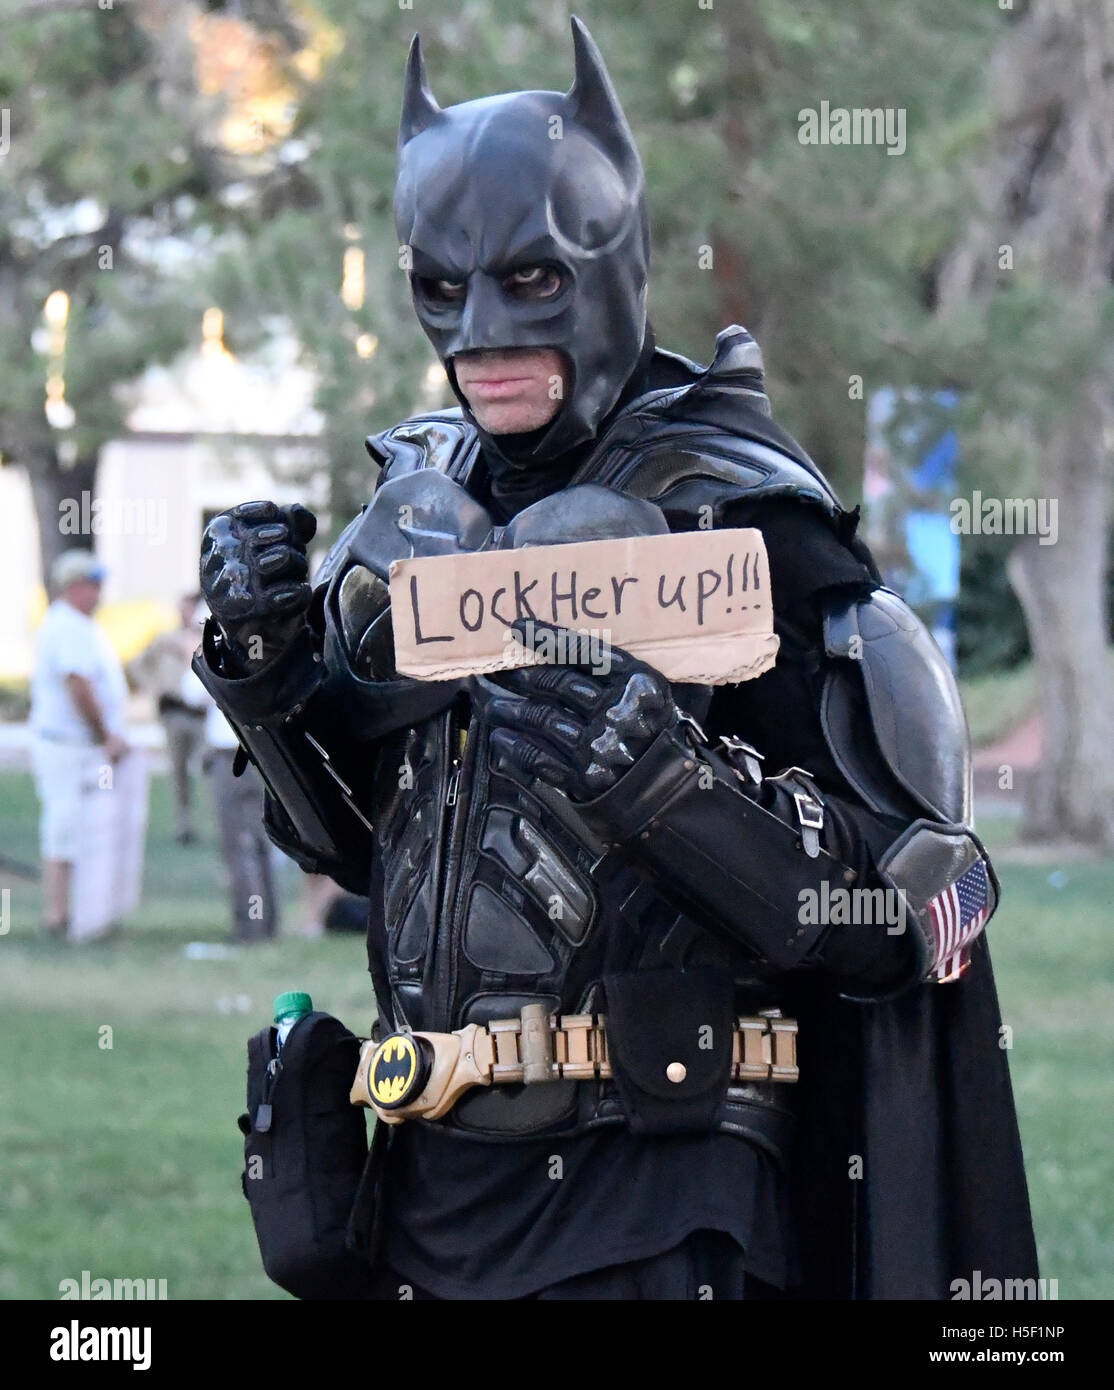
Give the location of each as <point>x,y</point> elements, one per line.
<point>319,892</point>
<point>161,671</point>
<point>325,907</point>
<point>244,845</point>
<point>91,787</point>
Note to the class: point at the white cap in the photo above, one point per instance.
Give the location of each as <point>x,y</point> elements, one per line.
<point>74,565</point>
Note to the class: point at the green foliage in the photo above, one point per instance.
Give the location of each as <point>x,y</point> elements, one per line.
<point>829,254</point>
<point>992,635</point>
<point>110,192</point>
<point>824,250</point>
<point>996,701</point>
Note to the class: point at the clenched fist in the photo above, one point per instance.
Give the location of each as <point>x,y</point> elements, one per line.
<point>254,571</point>
<point>580,724</point>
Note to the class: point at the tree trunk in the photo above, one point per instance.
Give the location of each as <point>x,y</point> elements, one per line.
<point>746,64</point>
<point>58,492</point>
<point>1046,191</point>
<point>1071,794</point>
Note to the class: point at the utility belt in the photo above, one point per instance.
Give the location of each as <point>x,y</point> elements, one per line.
<point>406,1075</point>
<point>667,1052</point>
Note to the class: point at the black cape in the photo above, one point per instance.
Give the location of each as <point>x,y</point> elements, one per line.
<point>908,1173</point>
<point>918,1089</point>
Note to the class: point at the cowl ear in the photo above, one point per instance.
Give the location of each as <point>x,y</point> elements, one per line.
<point>418,105</point>
<point>594,104</point>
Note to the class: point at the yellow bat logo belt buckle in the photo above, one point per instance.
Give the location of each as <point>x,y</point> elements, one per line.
<point>407,1074</point>
<point>399,1069</point>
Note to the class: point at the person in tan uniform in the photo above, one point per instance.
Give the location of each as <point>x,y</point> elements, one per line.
<point>159,670</point>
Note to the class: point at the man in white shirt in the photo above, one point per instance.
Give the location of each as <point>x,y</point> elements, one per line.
<point>78,695</point>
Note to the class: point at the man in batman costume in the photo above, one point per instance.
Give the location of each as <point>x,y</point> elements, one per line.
<point>679,829</point>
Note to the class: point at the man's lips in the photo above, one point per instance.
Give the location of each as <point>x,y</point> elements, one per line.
<point>494,387</point>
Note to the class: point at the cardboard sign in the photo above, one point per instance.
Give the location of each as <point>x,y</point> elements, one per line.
<point>694,604</point>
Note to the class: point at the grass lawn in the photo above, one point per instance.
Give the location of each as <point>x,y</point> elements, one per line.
<point>125,1160</point>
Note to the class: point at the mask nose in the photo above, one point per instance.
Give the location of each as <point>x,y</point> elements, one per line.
<point>485,322</point>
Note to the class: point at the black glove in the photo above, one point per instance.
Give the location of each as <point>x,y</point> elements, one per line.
<point>254,575</point>
<point>570,724</point>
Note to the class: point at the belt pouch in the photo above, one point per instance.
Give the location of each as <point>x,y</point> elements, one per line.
<point>669,1039</point>
<point>305,1148</point>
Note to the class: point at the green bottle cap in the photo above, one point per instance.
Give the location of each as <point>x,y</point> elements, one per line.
<point>293,1004</point>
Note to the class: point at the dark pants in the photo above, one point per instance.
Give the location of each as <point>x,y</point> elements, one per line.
<point>245,846</point>
<point>707,1265</point>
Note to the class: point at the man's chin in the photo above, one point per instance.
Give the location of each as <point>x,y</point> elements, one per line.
<point>510,419</point>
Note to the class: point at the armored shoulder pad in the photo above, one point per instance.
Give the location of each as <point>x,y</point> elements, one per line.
<point>337,554</point>
<point>890,670</point>
<point>708,443</point>
<point>684,474</point>
<point>442,439</point>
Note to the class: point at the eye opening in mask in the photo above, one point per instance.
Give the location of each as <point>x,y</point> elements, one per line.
<point>529,283</point>
<point>541,281</point>
<point>439,294</point>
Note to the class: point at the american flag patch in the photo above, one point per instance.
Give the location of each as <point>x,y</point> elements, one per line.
<point>958,914</point>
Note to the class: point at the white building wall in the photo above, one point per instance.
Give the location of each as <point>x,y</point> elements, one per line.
<point>157,484</point>
<point>152,499</point>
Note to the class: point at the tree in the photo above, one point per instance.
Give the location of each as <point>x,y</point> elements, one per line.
<point>111,188</point>
<point>1027,298</point>
<point>824,254</point>
<point>828,250</point>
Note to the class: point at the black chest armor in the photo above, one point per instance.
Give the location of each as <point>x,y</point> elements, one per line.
<point>488,895</point>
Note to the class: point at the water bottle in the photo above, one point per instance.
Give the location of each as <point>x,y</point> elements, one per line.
<point>290,1009</point>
